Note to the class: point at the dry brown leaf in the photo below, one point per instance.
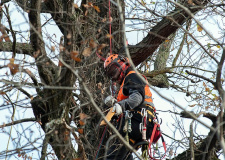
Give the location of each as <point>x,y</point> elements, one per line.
<point>83,116</point>
<point>207,107</point>
<point>199,28</point>
<point>109,36</point>
<point>92,44</point>
<point>11,60</point>
<point>84,42</point>
<point>14,68</point>
<point>6,37</point>
<point>81,130</point>
<point>86,52</point>
<point>77,59</point>
<point>192,105</point>
<point>90,4</point>
<point>96,8</point>
<point>167,40</point>
<point>99,85</point>
<point>204,84</point>
<point>82,123</point>
<point>60,64</point>
<point>74,54</point>
<point>207,89</point>
<point>190,2</point>
<point>2,93</point>
<point>100,47</point>
<point>66,135</point>
<point>69,36</point>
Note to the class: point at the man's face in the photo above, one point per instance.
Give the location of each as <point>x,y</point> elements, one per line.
<point>113,72</point>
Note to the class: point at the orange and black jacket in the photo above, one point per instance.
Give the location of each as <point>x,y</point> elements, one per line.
<point>134,94</point>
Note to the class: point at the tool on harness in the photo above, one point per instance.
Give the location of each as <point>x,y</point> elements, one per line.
<point>156,134</point>
<point>142,125</point>
<point>127,126</point>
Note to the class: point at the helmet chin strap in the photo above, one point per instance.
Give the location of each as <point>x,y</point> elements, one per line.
<point>122,75</point>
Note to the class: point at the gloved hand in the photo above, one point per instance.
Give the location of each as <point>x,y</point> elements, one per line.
<point>117,109</point>
<point>110,100</point>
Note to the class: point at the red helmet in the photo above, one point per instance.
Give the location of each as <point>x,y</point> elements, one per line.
<point>115,67</point>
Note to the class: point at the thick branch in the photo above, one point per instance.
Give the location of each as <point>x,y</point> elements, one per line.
<point>164,28</point>
<point>21,48</point>
<point>218,83</point>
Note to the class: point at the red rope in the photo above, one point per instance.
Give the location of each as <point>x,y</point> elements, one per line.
<point>103,135</point>
<point>151,141</point>
<point>99,56</point>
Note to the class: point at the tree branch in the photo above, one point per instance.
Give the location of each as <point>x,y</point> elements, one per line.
<point>18,121</point>
<point>21,48</point>
<point>200,76</point>
<point>164,28</point>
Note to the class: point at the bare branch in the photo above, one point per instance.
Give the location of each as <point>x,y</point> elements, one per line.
<point>21,48</point>
<point>218,83</point>
<point>164,28</point>
<point>18,121</point>
<point>200,76</point>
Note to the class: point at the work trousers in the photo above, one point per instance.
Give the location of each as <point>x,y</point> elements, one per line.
<point>117,150</point>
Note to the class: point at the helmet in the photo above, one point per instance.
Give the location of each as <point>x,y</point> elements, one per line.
<point>115,67</point>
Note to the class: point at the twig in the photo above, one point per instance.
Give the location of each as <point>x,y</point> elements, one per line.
<point>202,77</point>
<point>18,121</point>
<point>12,32</point>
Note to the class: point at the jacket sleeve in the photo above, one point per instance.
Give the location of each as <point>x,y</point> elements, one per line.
<point>134,100</point>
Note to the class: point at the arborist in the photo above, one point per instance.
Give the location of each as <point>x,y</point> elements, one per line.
<point>133,104</point>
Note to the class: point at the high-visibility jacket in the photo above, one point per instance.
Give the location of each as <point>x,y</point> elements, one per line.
<point>147,103</point>
<point>148,94</point>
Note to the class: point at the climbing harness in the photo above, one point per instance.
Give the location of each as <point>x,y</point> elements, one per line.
<point>156,134</point>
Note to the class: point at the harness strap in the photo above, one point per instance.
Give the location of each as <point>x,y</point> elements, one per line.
<point>153,134</point>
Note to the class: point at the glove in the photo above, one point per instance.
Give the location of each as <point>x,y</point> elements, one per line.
<point>110,100</point>
<point>117,109</point>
